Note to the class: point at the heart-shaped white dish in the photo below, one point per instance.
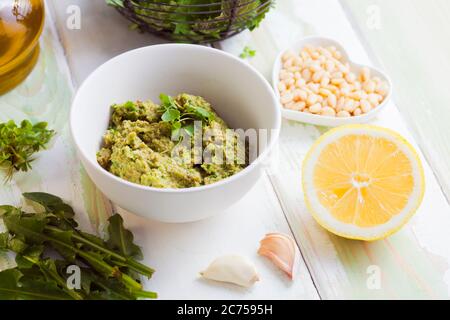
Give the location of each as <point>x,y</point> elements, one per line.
<point>320,119</point>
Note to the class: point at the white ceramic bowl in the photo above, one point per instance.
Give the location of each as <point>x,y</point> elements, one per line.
<point>241,96</point>
<point>325,120</point>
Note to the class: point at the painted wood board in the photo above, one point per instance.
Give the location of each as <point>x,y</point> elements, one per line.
<point>180,252</point>
<point>414,262</point>
<point>46,96</point>
<point>104,34</point>
<point>420,31</point>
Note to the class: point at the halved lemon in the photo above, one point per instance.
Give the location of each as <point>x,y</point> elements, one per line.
<point>362,182</point>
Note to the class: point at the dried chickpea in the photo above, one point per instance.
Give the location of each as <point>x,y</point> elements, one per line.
<point>349,105</point>
<point>365,74</point>
<point>330,65</point>
<point>284,75</point>
<point>314,87</point>
<point>288,63</point>
<point>289,82</point>
<point>374,99</point>
<point>350,77</point>
<point>300,106</point>
<point>325,81</point>
<point>318,75</point>
<point>365,106</point>
<point>382,88</point>
<point>327,111</point>
<point>337,81</point>
<point>312,99</point>
<point>281,86</point>
<point>316,108</point>
<point>369,86</point>
<point>345,89</point>
<point>332,101</point>
<point>306,74</point>
<point>343,114</point>
<point>315,55</point>
<point>337,55</point>
<point>337,75</point>
<point>300,83</point>
<point>286,97</point>
<point>297,61</point>
<point>325,92</point>
<point>290,105</point>
<point>315,67</point>
<point>287,55</point>
<point>357,112</point>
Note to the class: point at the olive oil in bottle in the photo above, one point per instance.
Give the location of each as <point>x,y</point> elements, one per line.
<point>21,23</point>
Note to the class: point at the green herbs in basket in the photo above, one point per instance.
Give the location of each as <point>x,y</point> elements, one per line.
<point>49,247</point>
<point>194,20</point>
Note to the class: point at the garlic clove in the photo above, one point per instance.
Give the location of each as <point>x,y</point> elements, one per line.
<point>232,269</point>
<point>282,250</point>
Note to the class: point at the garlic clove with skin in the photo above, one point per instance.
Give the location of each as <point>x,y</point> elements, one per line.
<point>232,269</point>
<point>282,250</point>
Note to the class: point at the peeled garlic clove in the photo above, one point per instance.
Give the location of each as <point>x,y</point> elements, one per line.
<point>233,269</point>
<point>282,250</point>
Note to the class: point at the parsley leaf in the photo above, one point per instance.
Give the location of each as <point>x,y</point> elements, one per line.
<point>19,143</point>
<point>247,52</point>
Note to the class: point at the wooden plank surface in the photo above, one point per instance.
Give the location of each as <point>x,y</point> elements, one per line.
<point>414,262</point>
<point>46,96</point>
<point>418,64</point>
<point>177,252</point>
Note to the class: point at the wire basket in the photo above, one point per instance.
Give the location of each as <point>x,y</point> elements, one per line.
<point>201,21</point>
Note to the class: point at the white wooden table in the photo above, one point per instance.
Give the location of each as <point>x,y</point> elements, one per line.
<point>414,263</point>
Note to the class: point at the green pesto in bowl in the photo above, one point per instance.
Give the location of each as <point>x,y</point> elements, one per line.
<point>179,143</point>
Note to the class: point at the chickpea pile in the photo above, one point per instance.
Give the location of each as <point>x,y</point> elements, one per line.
<point>319,81</point>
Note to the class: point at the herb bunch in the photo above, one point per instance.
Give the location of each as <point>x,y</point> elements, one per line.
<point>181,118</point>
<point>19,143</point>
<point>109,269</point>
<point>197,20</point>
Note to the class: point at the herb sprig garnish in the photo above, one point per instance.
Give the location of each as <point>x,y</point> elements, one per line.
<point>109,269</point>
<point>19,143</point>
<point>181,118</point>
<point>247,52</point>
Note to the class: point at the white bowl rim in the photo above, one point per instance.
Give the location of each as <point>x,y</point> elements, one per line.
<point>246,170</point>
<point>338,121</point>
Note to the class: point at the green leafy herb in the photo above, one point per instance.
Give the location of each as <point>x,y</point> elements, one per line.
<point>182,117</point>
<point>117,3</point>
<point>187,20</point>
<point>247,53</point>
<point>109,268</point>
<point>19,143</point>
